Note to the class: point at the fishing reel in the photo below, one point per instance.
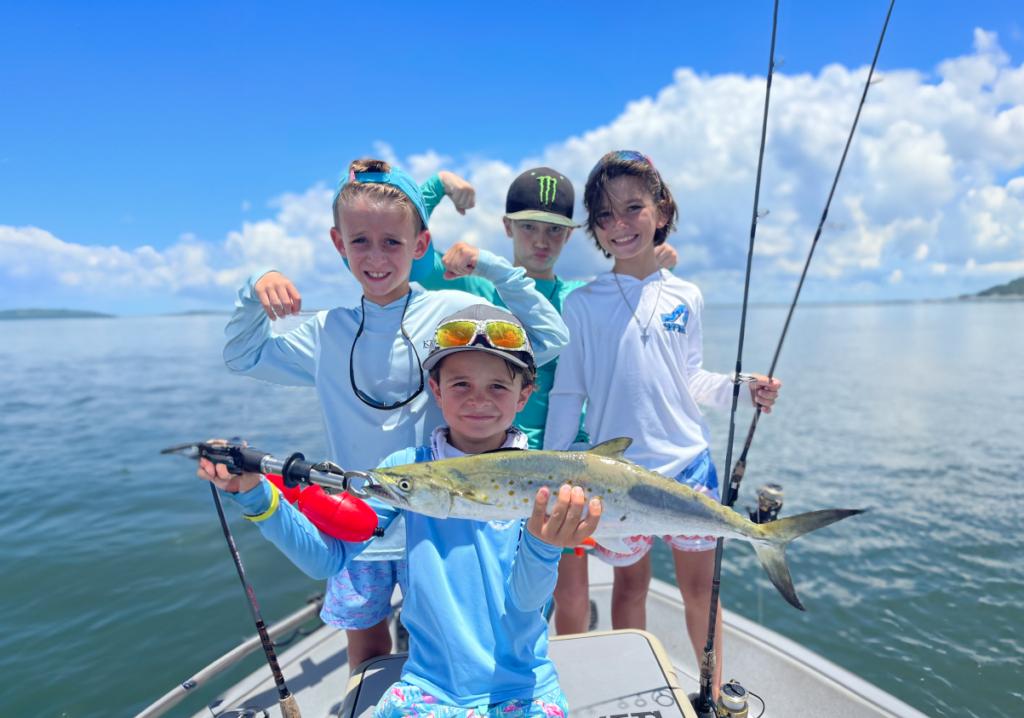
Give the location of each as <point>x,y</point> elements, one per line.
<point>733,702</point>
<point>769,503</point>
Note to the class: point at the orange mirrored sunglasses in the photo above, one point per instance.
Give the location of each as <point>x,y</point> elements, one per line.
<point>500,335</point>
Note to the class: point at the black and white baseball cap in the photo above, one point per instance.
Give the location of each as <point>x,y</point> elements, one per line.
<point>543,195</point>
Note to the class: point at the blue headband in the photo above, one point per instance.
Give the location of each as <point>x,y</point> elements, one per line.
<point>422,267</point>
<point>396,178</point>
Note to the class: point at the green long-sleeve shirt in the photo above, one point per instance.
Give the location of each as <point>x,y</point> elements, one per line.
<point>534,416</point>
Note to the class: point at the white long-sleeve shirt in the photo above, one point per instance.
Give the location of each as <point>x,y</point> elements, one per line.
<point>648,393</point>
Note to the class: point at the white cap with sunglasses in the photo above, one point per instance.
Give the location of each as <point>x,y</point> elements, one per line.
<point>481,327</point>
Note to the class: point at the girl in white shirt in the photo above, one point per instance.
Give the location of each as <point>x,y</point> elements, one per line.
<point>635,356</point>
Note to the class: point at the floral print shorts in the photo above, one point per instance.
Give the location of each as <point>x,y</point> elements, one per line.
<point>403,700</point>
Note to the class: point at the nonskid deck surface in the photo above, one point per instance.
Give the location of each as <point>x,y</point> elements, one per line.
<point>793,680</point>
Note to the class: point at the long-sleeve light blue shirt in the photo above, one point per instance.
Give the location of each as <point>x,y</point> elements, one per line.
<point>476,590</point>
<point>385,366</point>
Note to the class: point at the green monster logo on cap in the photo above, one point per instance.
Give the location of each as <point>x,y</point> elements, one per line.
<point>548,189</point>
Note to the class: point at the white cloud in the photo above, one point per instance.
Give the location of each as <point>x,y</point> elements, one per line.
<point>29,253</point>
<point>936,173</point>
<point>296,241</point>
<point>926,177</point>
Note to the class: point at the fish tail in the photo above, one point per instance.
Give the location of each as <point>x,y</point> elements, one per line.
<point>771,548</point>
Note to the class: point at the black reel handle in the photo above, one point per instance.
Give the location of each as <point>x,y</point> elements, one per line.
<point>235,457</point>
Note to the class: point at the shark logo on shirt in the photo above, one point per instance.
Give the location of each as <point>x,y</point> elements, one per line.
<point>675,321</point>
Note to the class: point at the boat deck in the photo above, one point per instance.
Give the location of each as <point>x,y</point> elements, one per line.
<point>792,680</point>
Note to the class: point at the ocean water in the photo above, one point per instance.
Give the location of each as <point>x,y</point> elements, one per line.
<point>116,585</point>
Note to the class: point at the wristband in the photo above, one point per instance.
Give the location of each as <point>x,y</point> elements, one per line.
<point>274,501</point>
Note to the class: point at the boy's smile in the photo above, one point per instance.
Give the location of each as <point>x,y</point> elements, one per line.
<point>479,398</point>
<point>380,243</point>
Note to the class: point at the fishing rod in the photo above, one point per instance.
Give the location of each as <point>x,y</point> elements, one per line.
<point>286,701</point>
<point>741,464</point>
<point>704,703</point>
<point>294,470</point>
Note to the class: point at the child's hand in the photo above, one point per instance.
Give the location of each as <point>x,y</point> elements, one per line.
<point>460,260</point>
<point>460,191</point>
<point>278,295</point>
<point>232,483</point>
<point>666,255</point>
<point>765,391</point>
<point>564,528</point>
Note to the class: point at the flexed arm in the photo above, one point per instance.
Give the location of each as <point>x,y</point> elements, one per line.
<point>254,350</point>
<point>544,325</point>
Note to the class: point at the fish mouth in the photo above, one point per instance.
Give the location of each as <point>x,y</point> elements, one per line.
<point>372,488</point>
<point>380,492</point>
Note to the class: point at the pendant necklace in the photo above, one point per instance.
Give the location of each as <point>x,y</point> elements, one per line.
<point>644,336</point>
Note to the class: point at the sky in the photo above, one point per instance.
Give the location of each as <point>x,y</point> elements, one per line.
<point>152,155</point>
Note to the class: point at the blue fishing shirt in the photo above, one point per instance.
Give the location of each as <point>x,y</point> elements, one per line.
<point>476,590</point>
<point>385,365</point>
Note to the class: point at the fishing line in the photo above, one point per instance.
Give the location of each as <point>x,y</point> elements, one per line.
<point>704,703</point>
<point>289,708</point>
<point>741,464</point>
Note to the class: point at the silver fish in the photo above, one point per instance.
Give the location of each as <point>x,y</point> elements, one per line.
<point>502,485</point>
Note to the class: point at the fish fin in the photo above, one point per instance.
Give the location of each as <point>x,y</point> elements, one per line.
<point>615,544</point>
<point>612,449</point>
<point>771,549</point>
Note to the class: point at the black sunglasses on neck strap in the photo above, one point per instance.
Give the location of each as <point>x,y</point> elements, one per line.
<point>362,395</point>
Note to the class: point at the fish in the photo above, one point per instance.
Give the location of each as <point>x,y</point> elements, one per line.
<point>502,485</point>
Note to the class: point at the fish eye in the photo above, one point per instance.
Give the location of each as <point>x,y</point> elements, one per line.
<point>405,485</point>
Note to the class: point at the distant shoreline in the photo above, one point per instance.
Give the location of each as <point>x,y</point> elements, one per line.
<point>52,314</point>
<point>876,302</point>
<point>14,314</point>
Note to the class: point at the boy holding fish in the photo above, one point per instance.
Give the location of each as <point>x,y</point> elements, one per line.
<point>539,220</point>
<point>478,637</point>
<point>365,362</point>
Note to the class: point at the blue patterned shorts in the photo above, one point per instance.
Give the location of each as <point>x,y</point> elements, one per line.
<point>360,595</point>
<point>699,475</point>
<point>403,700</point>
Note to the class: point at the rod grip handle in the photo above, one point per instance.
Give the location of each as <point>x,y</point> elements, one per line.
<point>251,459</point>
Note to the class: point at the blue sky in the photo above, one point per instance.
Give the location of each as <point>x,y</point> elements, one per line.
<point>131,125</point>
